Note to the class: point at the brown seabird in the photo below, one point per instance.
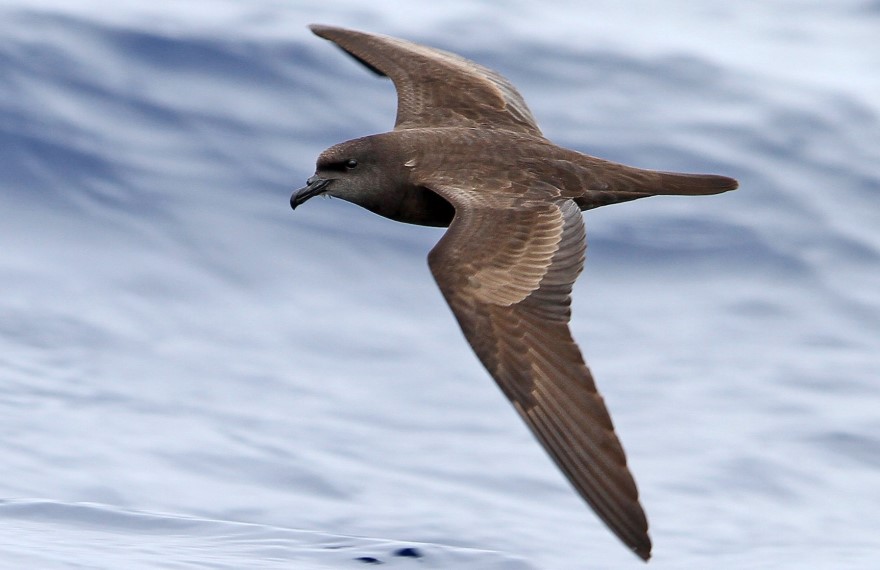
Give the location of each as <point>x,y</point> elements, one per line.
<point>467,154</point>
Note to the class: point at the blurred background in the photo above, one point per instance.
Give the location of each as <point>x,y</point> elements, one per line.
<point>192,375</point>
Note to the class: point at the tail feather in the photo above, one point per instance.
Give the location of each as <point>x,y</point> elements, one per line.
<point>693,184</point>
<point>601,183</point>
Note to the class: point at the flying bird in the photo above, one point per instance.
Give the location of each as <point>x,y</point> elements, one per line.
<point>467,154</point>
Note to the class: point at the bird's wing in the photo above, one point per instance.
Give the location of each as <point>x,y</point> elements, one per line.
<point>436,88</point>
<point>507,273</point>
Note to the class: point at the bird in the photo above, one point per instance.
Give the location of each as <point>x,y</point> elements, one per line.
<point>467,154</point>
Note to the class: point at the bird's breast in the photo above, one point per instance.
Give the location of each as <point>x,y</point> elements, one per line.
<point>420,206</point>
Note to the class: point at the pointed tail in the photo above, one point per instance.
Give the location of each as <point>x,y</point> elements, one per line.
<point>674,183</point>
<point>606,183</point>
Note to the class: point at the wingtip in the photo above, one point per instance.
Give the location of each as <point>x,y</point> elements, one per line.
<point>328,32</point>
<point>351,41</point>
<point>320,29</point>
<point>638,542</point>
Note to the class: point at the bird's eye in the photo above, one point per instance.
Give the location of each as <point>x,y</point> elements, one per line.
<point>351,163</point>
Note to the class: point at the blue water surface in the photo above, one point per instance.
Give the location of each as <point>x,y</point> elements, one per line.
<point>193,376</point>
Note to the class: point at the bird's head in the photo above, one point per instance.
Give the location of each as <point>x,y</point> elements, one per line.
<point>358,171</point>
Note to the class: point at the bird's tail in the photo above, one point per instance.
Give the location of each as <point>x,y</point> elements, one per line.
<point>674,183</point>
<point>612,183</point>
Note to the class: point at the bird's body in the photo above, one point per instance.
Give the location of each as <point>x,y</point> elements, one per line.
<point>467,153</point>
<point>516,166</point>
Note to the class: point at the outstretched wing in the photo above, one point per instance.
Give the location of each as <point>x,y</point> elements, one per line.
<point>436,88</point>
<point>507,274</point>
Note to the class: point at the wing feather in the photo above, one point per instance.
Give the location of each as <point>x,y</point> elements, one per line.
<point>522,337</point>
<point>436,88</point>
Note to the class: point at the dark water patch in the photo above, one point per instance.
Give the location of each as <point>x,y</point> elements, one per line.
<point>34,164</point>
<point>871,8</point>
<point>128,97</point>
<point>858,448</point>
<point>239,59</point>
<point>408,552</point>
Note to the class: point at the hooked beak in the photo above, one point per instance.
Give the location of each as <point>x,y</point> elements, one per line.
<point>314,186</point>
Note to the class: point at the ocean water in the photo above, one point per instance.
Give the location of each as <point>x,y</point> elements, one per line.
<point>193,376</point>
